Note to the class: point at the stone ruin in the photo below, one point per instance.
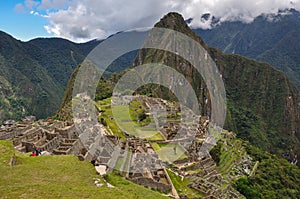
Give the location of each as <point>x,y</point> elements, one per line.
<point>205,175</point>
<point>53,136</point>
<point>145,166</point>
<point>139,162</point>
<point>169,118</point>
<point>133,158</point>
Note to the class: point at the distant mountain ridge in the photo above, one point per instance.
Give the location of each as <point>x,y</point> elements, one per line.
<point>269,38</point>
<point>33,74</point>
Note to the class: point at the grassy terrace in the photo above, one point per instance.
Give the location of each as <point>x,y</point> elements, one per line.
<point>166,152</point>
<point>104,106</point>
<point>229,155</point>
<point>124,120</point>
<point>59,177</point>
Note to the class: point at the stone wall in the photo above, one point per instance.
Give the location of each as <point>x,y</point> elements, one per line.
<point>69,146</point>
<point>76,148</point>
<point>30,135</point>
<point>51,145</point>
<point>10,133</point>
<point>148,182</point>
<point>68,132</point>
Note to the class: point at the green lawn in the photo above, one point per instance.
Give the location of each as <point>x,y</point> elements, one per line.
<point>59,177</point>
<point>118,119</point>
<point>125,122</point>
<point>166,152</point>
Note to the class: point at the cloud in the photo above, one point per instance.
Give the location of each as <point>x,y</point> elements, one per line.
<point>19,8</point>
<point>235,10</point>
<point>88,19</point>
<point>35,13</point>
<point>31,4</point>
<point>82,20</point>
<point>54,4</point>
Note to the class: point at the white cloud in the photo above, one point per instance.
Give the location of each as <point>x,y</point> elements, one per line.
<point>89,19</point>
<point>232,10</point>
<point>35,13</point>
<point>81,20</point>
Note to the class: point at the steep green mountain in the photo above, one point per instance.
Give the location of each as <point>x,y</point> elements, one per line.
<point>274,177</point>
<point>34,74</point>
<point>271,39</point>
<point>262,103</point>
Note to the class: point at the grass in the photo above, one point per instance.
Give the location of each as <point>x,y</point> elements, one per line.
<point>155,146</point>
<point>182,186</point>
<point>127,161</point>
<point>166,152</point>
<point>126,124</point>
<point>104,105</point>
<point>157,136</point>
<point>59,177</point>
<point>226,162</point>
<point>138,114</point>
<point>118,120</point>
<point>119,163</point>
<point>191,172</point>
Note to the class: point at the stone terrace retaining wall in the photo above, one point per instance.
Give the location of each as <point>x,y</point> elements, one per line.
<point>27,136</point>
<point>148,182</point>
<point>10,133</point>
<point>49,146</point>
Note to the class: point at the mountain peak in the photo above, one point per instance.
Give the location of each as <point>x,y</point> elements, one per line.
<point>172,20</point>
<point>176,22</point>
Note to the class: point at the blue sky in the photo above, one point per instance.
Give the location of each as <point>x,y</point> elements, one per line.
<point>83,20</point>
<point>23,26</point>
